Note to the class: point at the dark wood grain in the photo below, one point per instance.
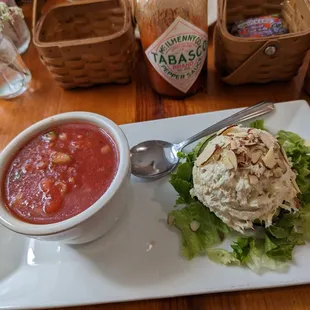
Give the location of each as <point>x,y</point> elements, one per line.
<point>291,298</point>
<point>136,102</point>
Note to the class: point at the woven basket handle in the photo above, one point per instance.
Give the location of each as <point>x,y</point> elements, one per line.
<point>36,12</point>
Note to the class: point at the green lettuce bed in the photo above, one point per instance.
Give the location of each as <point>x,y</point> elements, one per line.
<point>272,247</point>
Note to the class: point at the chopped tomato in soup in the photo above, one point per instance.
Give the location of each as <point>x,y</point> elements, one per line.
<point>60,173</point>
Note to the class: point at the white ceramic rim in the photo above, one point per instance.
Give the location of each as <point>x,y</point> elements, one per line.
<point>13,223</point>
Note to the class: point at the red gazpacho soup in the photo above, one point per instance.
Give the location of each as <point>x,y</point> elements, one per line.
<point>60,173</point>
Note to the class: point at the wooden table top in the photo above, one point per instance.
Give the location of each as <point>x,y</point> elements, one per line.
<point>136,102</point>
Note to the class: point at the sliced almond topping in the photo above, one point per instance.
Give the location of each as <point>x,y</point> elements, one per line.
<point>206,154</point>
<point>250,143</point>
<point>170,220</point>
<point>281,165</point>
<point>232,158</point>
<point>269,159</point>
<point>224,142</point>
<point>242,160</point>
<point>225,130</point>
<point>217,154</point>
<point>284,155</point>
<point>295,185</point>
<point>277,172</point>
<point>234,144</point>
<point>253,179</point>
<point>268,173</point>
<point>241,134</point>
<point>261,147</point>
<point>255,156</point>
<point>276,155</point>
<point>267,139</point>
<point>241,149</point>
<point>227,163</point>
<point>194,225</point>
<point>254,132</point>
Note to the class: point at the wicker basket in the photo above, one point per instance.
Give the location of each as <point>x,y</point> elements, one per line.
<point>261,60</point>
<point>86,42</point>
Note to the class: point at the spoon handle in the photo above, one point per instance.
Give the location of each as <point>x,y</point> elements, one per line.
<point>256,110</point>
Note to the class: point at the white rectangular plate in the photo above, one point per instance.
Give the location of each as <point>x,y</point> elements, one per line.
<point>140,258</point>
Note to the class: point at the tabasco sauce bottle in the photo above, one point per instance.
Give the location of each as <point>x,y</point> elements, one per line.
<point>175,41</point>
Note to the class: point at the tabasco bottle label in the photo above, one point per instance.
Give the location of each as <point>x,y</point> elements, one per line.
<point>179,54</point>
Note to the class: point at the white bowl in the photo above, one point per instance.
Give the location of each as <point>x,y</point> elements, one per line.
<point>96,220</point>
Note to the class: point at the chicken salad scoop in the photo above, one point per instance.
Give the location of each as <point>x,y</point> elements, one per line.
<point>243,175</point>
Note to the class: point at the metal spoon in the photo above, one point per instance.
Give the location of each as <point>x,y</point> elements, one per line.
<point>155,159</point>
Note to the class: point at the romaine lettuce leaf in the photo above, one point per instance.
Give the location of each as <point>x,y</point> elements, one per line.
<point>269,244</point>
<point>258,124</point>
<point>184,171</point>
<point>282,237</point>
<point>241,248</point>
<point>305,218</point>
<point>279,232</point>
<point>257,260</point>
<point>282,253</point>
<point>222,256</point>
<point>182,187</point>
<point>181,180</point>
<point>291,141</point>
<point>299,154</point>
<point>251,252</point>
<point>209,232</point>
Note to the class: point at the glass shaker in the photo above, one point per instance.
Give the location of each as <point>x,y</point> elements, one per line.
<point>14,75</point>
<point>174,39</point>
